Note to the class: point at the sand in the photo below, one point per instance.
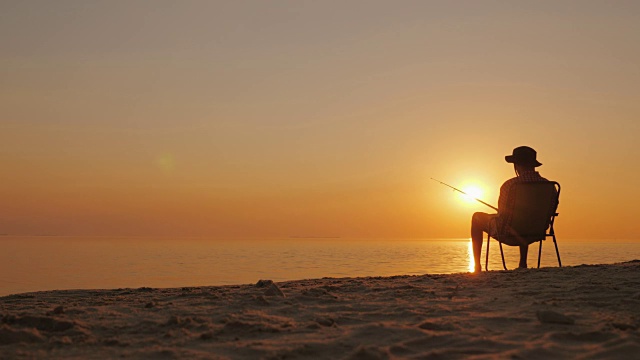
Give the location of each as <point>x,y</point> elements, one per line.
<point>572,312</point>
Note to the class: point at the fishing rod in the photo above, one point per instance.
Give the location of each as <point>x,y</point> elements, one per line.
<point>462,192</point>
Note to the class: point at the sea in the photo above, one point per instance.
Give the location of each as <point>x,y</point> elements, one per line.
<point>41,263</point>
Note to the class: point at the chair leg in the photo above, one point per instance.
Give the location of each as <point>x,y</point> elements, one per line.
<point>486,262</point>
<point>557,252</point>
<point>539,253</point>
<point>504,265</point>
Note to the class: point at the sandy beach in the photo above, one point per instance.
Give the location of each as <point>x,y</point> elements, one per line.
<point>588,311</point>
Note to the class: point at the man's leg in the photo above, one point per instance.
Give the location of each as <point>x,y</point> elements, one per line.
<point>479,225</point>
<point>524,249</point>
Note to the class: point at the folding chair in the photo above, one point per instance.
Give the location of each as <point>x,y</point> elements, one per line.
<point>534,211</point>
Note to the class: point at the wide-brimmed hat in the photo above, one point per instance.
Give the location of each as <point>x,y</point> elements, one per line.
<point>523,155</point>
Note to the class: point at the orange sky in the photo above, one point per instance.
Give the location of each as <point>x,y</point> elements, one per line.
<point>325,118</point>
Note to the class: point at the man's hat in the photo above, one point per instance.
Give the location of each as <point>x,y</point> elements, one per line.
<point>523,155</point>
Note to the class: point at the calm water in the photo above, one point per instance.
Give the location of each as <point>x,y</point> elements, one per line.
<point>48,263</point>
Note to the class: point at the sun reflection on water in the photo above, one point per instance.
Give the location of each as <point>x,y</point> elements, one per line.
<point>472,263</point>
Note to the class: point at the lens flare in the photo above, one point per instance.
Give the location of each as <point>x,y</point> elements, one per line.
<point>165,162</point>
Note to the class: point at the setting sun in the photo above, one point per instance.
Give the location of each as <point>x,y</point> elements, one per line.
<point>471,193</point>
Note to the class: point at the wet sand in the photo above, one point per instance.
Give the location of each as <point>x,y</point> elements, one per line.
<point>588,311</point>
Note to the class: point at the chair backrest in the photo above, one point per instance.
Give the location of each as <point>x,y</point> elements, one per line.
<point>534,207</point>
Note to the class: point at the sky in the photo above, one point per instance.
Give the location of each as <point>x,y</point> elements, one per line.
<point>312,118</point>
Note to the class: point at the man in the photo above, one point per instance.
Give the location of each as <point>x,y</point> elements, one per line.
<point>524,162</point>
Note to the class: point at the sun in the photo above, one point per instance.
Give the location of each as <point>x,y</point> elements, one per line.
<point>473,192</point>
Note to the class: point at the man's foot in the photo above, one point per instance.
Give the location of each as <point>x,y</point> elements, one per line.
<point>477,269</point>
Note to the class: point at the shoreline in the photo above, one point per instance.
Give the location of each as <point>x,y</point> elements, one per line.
<point>570,312</point>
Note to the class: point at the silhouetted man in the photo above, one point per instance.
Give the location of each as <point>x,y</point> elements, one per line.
<point>524,162</point>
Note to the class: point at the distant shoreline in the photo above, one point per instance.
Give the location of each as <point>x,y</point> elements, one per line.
<point>314,237</point>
